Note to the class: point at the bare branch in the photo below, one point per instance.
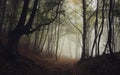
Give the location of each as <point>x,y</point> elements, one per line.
<point>48,23</point>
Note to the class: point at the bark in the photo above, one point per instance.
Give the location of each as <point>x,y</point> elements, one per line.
<point>84,31</point>
<point>13,40</point>
<point>110,28</point>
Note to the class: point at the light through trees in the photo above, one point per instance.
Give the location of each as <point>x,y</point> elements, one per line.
<point>70,28</point>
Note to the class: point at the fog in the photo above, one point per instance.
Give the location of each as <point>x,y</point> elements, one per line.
<point>68,46</point>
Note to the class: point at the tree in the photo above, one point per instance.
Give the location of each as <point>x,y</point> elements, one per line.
<point>25,28</point>
<point>110,33</point>
<point>84,31</point>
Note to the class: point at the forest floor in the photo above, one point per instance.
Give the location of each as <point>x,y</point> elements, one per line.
<point>30,63</point>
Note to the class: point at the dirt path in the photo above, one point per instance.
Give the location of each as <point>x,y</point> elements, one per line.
<point>63,66</point>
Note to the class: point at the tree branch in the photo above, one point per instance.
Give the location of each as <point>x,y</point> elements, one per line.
<point>28,26</point>
<point>23,14</point>
<point>48,23</point>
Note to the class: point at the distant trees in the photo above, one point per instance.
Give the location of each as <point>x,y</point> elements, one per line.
<point>2,13</point>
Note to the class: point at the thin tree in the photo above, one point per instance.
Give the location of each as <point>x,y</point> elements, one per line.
<point>95,43</point>
<point>110,19</point>
<point>102,23</point>
<point>84,31</point>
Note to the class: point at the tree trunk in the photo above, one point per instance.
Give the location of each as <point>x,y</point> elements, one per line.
<point>13,41</point>
<point>84,31</point>
<point>110,28</point>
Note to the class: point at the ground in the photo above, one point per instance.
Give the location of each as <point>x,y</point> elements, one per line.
<point>36,65</point>
<point>31,64</point>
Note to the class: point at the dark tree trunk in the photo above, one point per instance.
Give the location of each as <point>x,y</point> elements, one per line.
<point>84,31</point>
<point>13,40</point>
<point>110,28</point>
<point>15,35</point>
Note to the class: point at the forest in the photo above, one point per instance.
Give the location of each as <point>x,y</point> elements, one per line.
<point>59,37</point>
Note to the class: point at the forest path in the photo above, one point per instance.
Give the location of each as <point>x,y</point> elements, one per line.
<point>37,58</point>
<point>32,64</point>
<point>102,65</point>
<point>63,66</point>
